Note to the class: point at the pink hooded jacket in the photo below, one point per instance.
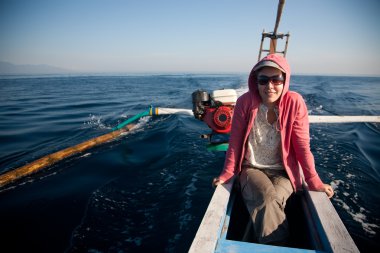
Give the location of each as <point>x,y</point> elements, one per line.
<point>293,125</point>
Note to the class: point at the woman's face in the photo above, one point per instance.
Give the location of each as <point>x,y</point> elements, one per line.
<point>270,90</point>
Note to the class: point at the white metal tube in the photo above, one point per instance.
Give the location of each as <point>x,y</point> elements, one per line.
<point>312,118</point>
<point>162,111</point>
<point>343,119</point>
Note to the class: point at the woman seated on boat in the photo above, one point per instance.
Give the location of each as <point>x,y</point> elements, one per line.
<point>268,146</point>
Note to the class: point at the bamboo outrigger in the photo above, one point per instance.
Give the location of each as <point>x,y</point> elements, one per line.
<point>51,159</point>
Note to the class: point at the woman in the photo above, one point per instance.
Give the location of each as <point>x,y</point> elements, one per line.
<point>269,146</point>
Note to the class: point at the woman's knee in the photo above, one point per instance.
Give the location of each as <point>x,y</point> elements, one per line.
<point>259,195</point>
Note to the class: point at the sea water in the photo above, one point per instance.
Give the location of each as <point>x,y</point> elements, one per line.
<point>148,190</point>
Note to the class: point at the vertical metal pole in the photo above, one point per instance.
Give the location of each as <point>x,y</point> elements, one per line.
<point>286,44</point>
<point>261,45</point>
<point>273,45</point>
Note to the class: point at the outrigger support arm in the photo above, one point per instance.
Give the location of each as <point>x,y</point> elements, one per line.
<point>48,160</point>
<point>343,119</point>
<point>154,111</point>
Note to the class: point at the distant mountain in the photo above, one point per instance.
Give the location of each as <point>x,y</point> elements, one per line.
<point>7,68</point>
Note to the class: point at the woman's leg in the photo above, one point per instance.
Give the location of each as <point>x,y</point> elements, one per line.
<point>265,195</point>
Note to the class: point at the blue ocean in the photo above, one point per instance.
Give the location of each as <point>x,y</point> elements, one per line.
<point>148,190</point>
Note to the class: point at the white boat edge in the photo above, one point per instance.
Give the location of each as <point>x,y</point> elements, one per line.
<point>210,228</point>
<point>335,235</point>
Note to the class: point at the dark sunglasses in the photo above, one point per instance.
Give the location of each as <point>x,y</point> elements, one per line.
<point>276,80</point>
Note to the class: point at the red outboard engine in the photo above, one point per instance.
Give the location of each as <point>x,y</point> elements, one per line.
<point>215,109</point>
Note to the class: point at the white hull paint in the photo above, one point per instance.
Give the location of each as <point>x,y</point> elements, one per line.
<point>323,223</point>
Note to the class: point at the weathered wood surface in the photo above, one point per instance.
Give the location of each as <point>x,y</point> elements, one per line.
<point>208,232</point>
<point>337,235</point>
<point>342,119</point>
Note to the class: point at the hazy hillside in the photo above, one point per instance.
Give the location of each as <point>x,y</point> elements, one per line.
<point>7,68</point>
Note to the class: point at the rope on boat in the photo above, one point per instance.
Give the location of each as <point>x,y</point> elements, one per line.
<point>51,159</point>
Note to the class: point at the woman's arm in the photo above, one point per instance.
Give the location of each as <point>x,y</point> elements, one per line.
<point>300,139</point>
<point>233,155</point>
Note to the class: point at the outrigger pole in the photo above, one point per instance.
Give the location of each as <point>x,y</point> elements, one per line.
<point>51,159</point>
<point>126,126</point>
<point>274,35</point>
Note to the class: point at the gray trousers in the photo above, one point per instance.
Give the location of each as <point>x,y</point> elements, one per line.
<point>265,192</point>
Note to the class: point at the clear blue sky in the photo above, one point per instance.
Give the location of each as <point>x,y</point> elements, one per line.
<point>327,36</point>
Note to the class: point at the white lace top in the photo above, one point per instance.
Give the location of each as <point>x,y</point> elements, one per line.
<point>264,143</point>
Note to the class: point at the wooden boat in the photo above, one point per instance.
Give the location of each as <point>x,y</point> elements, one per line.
<point>314,225</point>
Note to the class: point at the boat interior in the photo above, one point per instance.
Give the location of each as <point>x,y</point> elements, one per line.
<point>303,233</point>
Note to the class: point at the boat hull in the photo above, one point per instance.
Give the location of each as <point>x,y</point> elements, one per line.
<point>314,225</point>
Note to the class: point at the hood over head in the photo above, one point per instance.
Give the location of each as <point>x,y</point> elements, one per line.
<point>271,60</point>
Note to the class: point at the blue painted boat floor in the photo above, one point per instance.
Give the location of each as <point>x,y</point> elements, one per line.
<point>229,246</point>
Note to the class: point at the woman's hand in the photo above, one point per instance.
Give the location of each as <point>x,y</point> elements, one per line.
<point>217,182</point>
<point>328,190</point>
